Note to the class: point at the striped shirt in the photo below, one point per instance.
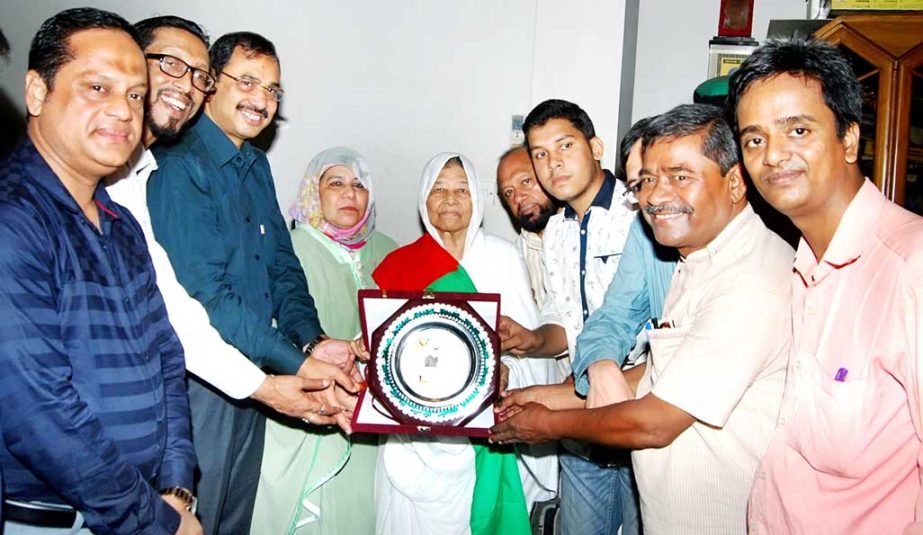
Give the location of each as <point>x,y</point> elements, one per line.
<point>722,360</point>
<point>94,408</point>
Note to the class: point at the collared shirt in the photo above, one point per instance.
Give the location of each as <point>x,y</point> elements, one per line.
<point>581,257</point>
<point>207,355</point>
<point>722,360</point>
<point>94,408</point>
<point>214,210</point>
<point>634,296</point>
<point>529,245</point>
<point>845,457</point>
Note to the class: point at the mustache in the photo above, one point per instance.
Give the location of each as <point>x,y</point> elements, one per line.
<point>662,209</point>
<point>254,109</point>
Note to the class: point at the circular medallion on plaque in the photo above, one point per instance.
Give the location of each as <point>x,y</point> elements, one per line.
<point>434,363</point>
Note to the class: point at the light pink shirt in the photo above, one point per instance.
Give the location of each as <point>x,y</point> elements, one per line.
<point>845,457</point>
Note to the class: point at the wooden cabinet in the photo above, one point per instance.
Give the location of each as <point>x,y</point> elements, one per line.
<point>886,51</point>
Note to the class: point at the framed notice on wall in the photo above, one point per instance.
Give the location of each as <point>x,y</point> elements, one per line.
<point>881,5</point>
<point>735,18</point>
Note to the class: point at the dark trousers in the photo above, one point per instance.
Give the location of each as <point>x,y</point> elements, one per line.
<point>228,437</point>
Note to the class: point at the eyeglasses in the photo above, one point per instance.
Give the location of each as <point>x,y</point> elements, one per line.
<point>631,191</point>
<point>247,84</point>
<point>177,68</point>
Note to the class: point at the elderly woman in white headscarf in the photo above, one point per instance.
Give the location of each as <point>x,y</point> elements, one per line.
<point>316,480</point>
<point>449,485</point>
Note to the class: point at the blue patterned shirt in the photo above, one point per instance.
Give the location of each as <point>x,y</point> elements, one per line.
<point>93,406</point>
<point>635,295</point>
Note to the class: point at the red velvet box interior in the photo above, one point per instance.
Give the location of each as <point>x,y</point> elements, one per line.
<point>376,308</point>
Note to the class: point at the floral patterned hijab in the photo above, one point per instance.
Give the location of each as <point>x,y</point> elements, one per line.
<point>307,210</point>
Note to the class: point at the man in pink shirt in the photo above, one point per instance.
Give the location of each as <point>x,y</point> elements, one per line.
<point>845,456</point>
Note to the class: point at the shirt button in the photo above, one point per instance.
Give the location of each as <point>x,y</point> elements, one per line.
<point>583,272</point>
<point>586,312</point>
<point>582,232</point>
<point>247,219</point>
<point>266,295</point>
<point>256,256</point>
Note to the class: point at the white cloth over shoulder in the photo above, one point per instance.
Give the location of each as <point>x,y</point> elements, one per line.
<point>208,356</point>
<point>424,485</point>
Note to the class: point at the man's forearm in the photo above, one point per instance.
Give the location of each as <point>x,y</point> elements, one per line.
<point>551,341</point>
<point>633,424</point>
<point>633,376</point>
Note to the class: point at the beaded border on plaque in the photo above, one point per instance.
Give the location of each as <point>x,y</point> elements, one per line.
<point>470,395</point>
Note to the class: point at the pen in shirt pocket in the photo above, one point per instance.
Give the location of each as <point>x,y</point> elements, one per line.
<point>840,376</point>
<point>655,324</point>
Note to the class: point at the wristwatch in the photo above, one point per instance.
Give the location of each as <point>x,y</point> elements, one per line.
<point>183,494</point>
<point>312,345</point>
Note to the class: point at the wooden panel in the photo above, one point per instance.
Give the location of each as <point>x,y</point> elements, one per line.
<point>895,34</point>
<point>838,33</point>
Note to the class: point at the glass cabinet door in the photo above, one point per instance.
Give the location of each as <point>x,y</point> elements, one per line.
<point>909,169</point>
<point>875,69</point>
<point>869,77</point>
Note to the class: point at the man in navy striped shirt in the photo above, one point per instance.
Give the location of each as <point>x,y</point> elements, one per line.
<point>95,418</point>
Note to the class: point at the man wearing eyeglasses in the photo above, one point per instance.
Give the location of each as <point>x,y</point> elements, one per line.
<point>179,80</point>
<point>214,210</point>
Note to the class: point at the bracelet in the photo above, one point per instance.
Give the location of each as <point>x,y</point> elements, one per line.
<point>183,494</point>
<point>312,345</point>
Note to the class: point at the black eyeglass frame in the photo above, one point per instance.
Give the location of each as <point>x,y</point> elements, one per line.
<point>210,80</point>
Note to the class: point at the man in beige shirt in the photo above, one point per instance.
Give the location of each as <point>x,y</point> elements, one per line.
<point>700,412</point>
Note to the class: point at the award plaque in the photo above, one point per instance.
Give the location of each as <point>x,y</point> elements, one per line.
<point>434,362</point>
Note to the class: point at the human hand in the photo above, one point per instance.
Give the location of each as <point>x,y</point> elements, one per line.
<point>339,353</point>
<point>343,402</point>
<point>357,346</point>
<point>554,397</point>
<point>607,385</point>
<point>514,338</point>
<point>511,401</point>
<point>188,523</point>
<point>504,377</point>
<point>288,394</point>
<point>529,425</point>
<point>315,369</point>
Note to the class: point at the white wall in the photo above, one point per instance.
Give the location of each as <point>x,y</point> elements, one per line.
<point>672,47</point>
<point>399,80</point>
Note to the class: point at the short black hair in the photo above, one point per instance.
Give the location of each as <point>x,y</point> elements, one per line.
<point>4,45</point>
<point>252,43</point>
<point>809,58</point>
<point>49,51</point>
<point>147,27</point>
<point>719,145</point>
<point>559,109</point>
<point>635,133</point>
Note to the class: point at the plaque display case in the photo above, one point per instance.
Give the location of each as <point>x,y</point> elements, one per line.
<point>434,366</point>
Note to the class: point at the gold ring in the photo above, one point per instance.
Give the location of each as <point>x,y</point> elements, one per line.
<point>322,411</point>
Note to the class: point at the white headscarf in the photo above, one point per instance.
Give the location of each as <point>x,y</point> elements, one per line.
<point>430,173</point>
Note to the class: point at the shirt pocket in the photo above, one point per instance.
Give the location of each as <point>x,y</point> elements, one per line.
<point>829,427</point>
<point>663,345</point>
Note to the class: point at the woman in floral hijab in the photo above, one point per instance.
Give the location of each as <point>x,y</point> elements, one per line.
<point>316,480</point>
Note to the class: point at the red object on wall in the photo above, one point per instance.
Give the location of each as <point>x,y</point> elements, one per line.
<point>735,18</point>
